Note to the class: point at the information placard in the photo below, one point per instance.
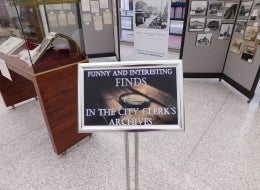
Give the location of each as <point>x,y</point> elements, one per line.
<point>133,96</point>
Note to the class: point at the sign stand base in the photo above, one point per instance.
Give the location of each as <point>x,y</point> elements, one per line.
<point>127,161</point>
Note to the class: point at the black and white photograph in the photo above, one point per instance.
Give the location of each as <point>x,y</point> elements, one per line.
<point>251,33</point>
<point>257,3</point>
<point>245,8</point>
<point>152,14</point>
<point>203,39</point>
<point>240,26</point>
<point>230,10</point>
<point>236,45</point>
<point>198,7</point>
<point>215,8</point>
<point>254,14</point>
<point>213,24</point>
<point>248,53</point>
<point>197,24</point>
<point>225,31</point>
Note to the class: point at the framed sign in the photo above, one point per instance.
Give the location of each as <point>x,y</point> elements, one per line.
<point>130,96</point>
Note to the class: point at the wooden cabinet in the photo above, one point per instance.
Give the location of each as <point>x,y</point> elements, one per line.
<point>56,90</point>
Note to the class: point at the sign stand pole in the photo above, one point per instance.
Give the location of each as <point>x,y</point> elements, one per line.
<point>127,168</point>
<point>136,159</point>
<point>136,143</point>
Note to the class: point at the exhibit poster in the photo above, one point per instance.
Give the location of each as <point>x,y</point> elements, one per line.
<point>248,53</point>
<point>213,24</point>
<point>251,33</point>
<point>225,31</point>
<point>151,29</point>
<point>203,39</point>
<point>215,8</point>
<point>198,7</point>
<point>197,24</point>
<point>245,8</point>
<point>230,10</point>
<point>138,95</point>
<point>236,45</point>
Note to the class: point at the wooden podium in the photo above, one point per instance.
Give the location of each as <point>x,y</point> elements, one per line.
<point>56,90</point>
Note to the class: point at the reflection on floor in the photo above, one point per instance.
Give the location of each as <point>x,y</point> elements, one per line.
<point>218,150</point>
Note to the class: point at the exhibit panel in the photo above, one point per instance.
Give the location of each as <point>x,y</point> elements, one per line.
<point>41,66</point>
<point>243,59</point>
<point>99,22</point>
<point>209,27</point>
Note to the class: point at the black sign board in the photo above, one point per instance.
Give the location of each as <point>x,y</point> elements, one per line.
<point>129,96</point>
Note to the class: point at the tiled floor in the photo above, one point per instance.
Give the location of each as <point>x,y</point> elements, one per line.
<point>219,149</point>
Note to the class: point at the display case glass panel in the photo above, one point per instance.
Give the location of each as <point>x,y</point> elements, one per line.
<point>37,36</point>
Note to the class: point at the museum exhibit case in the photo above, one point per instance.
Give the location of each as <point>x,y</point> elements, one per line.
<point>38,46</point>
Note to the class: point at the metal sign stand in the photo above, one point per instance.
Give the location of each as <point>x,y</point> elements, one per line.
<point>127,161</point>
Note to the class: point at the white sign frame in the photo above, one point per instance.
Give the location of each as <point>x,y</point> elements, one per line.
<point>82,68</point>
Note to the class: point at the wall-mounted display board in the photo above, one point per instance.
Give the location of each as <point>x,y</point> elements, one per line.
<point>242,67</point>
<point>209,27</point>
<point>100,28</point>
<point>220,37</point>
<point>131,96</point>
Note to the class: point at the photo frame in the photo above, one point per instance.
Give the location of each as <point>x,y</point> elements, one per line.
<point>197,24</point>
<point>133,99</point>
<point>236,45</point>
<point>198,7</point>
<point>225,31</point>
<point>240,26</point>
<point>215,8</point>
<point>257,3</point>
<point>213,24</point>
<point>257,43</point>
<point>248,53</point>
<point>203,40</point>
<point>250,33</point>
<point>230,10</point>
<point>245,8</point>
<point>254,14</point>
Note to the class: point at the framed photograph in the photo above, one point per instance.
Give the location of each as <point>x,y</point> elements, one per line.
<point>257,3</point>
<point>250,33</point>
<point>213,24</point>
<point>245,8</point>
<point>230,10</point>
<point>197,24</point>
<point>248,53</point>
<point>130,96</point>
<point>203,39</point>
<point>151,14</point>
<point>254,14</point>
<point>236,45</point>
<point>215,8</point>
<point>257,43</point>
<point>240,26</point>
<point>225,31</point>
<point>198,7</point>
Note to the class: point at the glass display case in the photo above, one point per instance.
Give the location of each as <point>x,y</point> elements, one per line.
<point>40,43</point>
<point>40,35</point>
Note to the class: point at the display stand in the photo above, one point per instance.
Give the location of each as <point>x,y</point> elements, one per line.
<point>57,93</point>
<point>100,28</point>
<point>209,50</point>
<point>127,161</point>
